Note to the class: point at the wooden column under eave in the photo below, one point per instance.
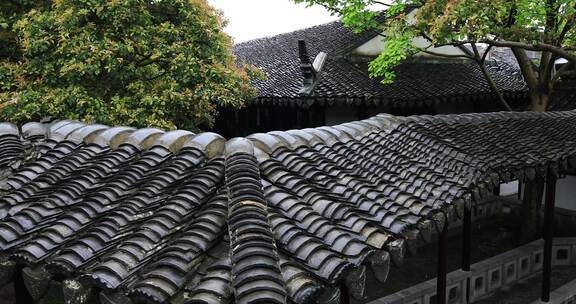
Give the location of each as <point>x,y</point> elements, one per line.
<point>548,234</point>
<point>21,293</point>
<point>442,275</point>
<point>466,238</point>
<point>466,247</point>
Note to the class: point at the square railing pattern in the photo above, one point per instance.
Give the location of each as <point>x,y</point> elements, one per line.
<point>489,275</point>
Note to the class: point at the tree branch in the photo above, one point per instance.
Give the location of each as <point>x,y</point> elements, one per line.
<point>543,47</point>
<point>488,49</point>
<point>382,3</point>
<point>494,87</point>
<point>563,52</point>
<point>466,51</point>
<point>16,3</point>
<point>548,70</point>
<point>563,70</point>
<point>567,26</point>
<point>511,15</point>
<point>480,61</point>
<point>476,53</point>
<point>155,77</point>
<point>551,24</point>
<point>424,50</point>
<point>526,67</point>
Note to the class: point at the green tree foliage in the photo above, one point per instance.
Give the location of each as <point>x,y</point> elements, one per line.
<point>161,63</point>
<point>544,26</point>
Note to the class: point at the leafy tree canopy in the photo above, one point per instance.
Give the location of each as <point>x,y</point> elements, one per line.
<point>161,63</point>
<point>544,26</point>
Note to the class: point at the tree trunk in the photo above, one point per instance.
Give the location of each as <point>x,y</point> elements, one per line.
<point>539,100</point>
<point>537,82</point>
<point>530,216</point>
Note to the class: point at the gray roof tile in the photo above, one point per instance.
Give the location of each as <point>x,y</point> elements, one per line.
<point>281,217</point>
<point>345,79</point>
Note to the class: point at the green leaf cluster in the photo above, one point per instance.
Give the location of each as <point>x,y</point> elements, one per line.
<point>160,63</point>
<point>458,22</point>
<point>527,21</point>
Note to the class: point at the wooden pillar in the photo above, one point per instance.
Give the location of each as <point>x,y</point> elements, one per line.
<point>519,189</point>
<point>466,247</point>
<point>548,235</point>
<point>266,119</point>
<point>442,275</point>
<point>344,295</point>
<point>466,238</point>
<point>321,116</point>
<point>21,293</point>
<point>530,213</point>
<point>299,118</point>
<point>237,126</point>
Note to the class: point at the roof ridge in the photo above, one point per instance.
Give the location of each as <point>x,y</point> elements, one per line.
<point>213,144</point>
<point>287,33</point>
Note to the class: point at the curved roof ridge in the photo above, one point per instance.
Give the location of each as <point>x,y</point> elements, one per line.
<point>210,143</point>
<point>146,138</point>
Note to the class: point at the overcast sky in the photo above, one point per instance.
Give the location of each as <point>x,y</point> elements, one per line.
<point>250,19</point>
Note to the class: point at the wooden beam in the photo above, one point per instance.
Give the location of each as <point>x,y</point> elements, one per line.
<point>548,235</point>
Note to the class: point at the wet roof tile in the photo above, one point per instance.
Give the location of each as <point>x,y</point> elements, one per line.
<point>282,217</point>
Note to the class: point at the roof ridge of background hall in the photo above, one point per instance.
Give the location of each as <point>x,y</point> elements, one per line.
<point>267,37</point>
<point>356,39</point>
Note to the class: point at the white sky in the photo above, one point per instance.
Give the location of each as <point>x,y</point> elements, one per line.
<point>250,19</point>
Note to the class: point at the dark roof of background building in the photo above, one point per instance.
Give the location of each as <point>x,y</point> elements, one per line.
<point>564,94</point>
<point>293,216</point>
<point>345,78</point>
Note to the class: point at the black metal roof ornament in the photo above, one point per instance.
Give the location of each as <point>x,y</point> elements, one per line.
<point>310,71</point>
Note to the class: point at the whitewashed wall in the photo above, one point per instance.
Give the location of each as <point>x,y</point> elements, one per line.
<point>377,44</point>
<point>566,193</point>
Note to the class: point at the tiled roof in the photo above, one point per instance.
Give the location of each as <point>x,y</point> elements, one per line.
<point>345,77</point>
<point>564,96</point>
<point>281,217</point>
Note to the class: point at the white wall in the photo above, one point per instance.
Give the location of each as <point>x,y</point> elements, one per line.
<point>566,193</point>
<point>510,188</point>
<point>373,47</point>
<point>377,44</point>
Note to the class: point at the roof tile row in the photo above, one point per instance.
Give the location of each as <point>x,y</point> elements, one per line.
<point>297,216</point>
